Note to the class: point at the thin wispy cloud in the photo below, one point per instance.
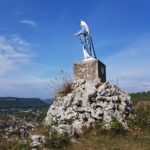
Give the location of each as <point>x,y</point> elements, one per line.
<point>131,66</point>
<point>15,55</point>
<point>31,23</point>
<point>147,85</point>
<point>14,52</point>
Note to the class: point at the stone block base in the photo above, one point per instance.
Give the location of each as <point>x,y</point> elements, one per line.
<point>90,70</point>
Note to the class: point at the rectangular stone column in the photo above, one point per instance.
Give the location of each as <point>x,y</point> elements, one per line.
<point>90,70</point>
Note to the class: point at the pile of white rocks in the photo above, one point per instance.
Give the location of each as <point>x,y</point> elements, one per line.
<point>89,101</point>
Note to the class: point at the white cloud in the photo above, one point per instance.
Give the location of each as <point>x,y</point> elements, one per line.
<point>29,22</point>
<point>131,66</point>
<point>16,55</point>
<point>14,52</point>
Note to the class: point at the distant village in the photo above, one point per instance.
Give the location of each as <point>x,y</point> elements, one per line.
<point>13,127</point>
<point>20,116</point>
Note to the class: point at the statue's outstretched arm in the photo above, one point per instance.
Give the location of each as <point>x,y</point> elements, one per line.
<point>80,32</point>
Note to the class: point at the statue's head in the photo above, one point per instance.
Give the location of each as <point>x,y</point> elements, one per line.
<point>85,26</point>
<point>83,23</point>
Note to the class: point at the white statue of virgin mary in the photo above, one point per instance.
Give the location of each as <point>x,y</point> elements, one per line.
<point>86,41</point>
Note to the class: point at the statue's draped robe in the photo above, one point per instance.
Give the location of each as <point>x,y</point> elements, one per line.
<point>86,41</point>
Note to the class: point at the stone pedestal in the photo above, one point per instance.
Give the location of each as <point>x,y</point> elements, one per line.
<point>90,70</point>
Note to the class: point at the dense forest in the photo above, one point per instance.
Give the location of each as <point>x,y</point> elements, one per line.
<point>22,103</point>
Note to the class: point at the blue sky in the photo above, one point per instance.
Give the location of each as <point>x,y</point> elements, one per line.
<point>37,41</point>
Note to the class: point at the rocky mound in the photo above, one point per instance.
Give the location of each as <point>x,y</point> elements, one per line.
<point>88,102</point>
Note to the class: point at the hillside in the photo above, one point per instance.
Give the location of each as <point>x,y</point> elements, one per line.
<point>140,96</point>
<point>23,103</point>
<point>49,101</point>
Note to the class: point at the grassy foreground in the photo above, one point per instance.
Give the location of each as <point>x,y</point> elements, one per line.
<point>99,141</point>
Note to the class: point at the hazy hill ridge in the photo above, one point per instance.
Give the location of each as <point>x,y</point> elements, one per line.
<point>14,102</point>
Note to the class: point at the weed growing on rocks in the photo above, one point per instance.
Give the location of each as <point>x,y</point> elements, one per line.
<point>61,85</point>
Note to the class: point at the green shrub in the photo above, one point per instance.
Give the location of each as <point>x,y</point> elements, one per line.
<point>117,128</point>
<point>53,139</point>
<point>42,130</point>
<point>142,116</point>
<point>140,97</point>
<point>57,142</point>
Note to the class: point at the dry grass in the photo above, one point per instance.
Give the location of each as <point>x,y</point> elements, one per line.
<point>61,85</point>
<point>65,89</point>
<point>42,130</point>
<point>93,142</point>
<point>97,140</point>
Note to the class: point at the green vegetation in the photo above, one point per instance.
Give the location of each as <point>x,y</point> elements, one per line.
<point>58,142</point>
<point>36,115</point>
<point>141,107</point>
<point>54,140</point>
<point>142,116</point>
<point>105,141</point>
<point>141,96</point>
<point>117,128</point>
<point>21,103</point>
<point>15,145</point>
